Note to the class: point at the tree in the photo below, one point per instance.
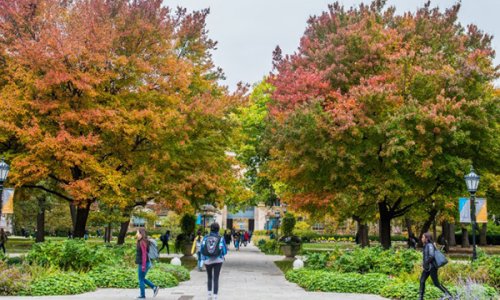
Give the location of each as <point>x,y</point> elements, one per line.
<point>383,110</point>
<point>113,101</point>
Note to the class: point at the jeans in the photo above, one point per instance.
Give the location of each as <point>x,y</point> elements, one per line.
<point>434,276</point>
<point>200,261</point>
<point>213,272</point>
<point>142,279</point>
<point>2,245</point>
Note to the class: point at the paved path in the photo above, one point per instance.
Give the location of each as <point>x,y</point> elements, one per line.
<point>247,274</point>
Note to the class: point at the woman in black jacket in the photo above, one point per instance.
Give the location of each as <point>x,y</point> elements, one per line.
<point>430,267</point>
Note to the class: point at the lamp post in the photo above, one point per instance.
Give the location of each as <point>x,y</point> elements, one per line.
<point>472,182</point>
<point>4,172</point>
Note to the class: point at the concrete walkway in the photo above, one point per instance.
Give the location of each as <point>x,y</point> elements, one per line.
<point>247,274</point>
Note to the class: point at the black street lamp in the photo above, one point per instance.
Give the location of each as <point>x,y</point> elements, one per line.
<point>472,182</point>
<point>4,172</point>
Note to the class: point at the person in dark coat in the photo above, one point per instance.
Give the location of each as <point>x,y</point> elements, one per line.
<point>430,268</point>
<point>164,240</point>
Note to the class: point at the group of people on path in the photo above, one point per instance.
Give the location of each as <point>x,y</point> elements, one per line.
<point>238,237</point>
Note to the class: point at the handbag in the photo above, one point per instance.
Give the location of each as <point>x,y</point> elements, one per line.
<point>439,257</point>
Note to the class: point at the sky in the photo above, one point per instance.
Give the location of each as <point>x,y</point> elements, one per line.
<point>247,31</point>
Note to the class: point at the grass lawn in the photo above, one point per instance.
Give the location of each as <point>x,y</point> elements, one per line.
<point>284,265</point>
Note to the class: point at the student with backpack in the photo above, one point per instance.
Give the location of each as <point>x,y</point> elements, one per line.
<point>164,240</point>
<point>145,251</point>
<point>197,244</point>
<point>213,250</point>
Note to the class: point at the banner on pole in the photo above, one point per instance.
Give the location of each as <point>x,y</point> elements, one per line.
<point>8,201</point>
<point>481,210</point>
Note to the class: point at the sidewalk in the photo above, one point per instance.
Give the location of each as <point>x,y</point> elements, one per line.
<point>247,274</point>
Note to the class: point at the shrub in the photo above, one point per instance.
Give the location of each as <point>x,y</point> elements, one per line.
<point>114,277</point>
<point>317,261</point>
<point>179,272</point>
<point>162,279</point>
<point>188,224</point>
<point>74,255</point>
<point>327,281</point>
<point>288,224</point>
<point>377,260</point>
<point>469,289</point>
<point>269,247</point>
<point>62,284</point>
<point>409,290</point>
<point>12,280</point>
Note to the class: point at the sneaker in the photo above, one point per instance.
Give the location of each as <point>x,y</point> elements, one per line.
<point>215,297</point>
<point>140,297</point>
<point>156,290</point>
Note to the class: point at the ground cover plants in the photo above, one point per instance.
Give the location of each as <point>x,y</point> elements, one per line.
<point>74,266</point>
<point>394,274</point>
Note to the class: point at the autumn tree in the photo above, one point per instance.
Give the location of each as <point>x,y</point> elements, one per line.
<point>113,101</point>
<point>383,112</point>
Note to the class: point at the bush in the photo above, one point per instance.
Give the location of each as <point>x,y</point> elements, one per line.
<point>269,247</point>
<point>317,261</point>
<point>62,284</point>
<point>288,224</point>
<point>179,272</point>
<point>409,290</point>
<point>491,238</point>
<point>114,277</point>
<point>12,280</point>
<point>326,281</point>
<point>74,255</point>
<point>377,260</point>
<point>162,279</point>
<point>188,224</point>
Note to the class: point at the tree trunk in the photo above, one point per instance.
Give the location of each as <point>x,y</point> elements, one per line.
<point>465,237</point>
<point>40,221</point>
<point>362,233</point>
<point>427,225</point>
<point>364,238</point>
<point>123,232</point>
<point>82,214</point>
<point>408,224</point>
<point>107,234</point>
<point>482,235</point>
<point>72,211</point>
<point>384,226</point>
<point>452,240</point>
<point>446,235</point>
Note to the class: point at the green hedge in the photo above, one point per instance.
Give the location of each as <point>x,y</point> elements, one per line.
<point>62,284</point>
<point>309,236</point>
<point>326,281</point>
<point>491,238</point>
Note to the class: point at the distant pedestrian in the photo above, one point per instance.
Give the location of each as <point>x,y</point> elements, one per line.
<point>227,238</point>
<point>430,267</point>
<point>246,238</point>
<point>236,239</point>
<point>143,263</point>
<point>197,246</point>
<point>98,233</point>
<point>412,241</point>
<point>70,234</point>
<point>165,238</point>
<point>3,239</point>
<point>213,251</point>
<point>250,233</point>
<point>86,234</point>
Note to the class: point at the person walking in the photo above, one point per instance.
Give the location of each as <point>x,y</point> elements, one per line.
<point>246,238</point>
<point>213,251</point>
<point>227,238</point>
<point>3,239</point>
<point>430,267</point>
<point>237,241</point>
<point>197,244</point>
<point>143,263</point>
<point>164,240</point>
<point>412,241</point>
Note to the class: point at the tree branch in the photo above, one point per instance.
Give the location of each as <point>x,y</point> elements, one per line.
<point>41,187</point>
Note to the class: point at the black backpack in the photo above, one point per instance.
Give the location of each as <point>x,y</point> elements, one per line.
<point>211,247</point>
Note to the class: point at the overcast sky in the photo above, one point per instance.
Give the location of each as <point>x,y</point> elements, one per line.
<point>247,31</point>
